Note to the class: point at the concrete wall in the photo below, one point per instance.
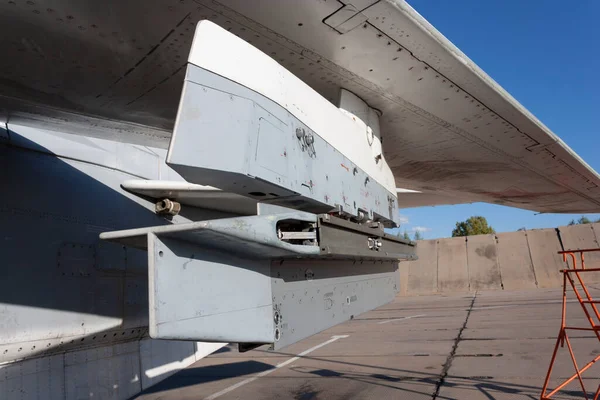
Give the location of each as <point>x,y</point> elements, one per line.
<point>510,261</point>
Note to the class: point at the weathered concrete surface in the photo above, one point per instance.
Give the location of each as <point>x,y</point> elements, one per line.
<point>577,237</point>
<point>453,272</point>
<point>396,351</point>
<point>507,344</point>
<point>515,261</point>
<point>544,246</point>
<point>509,261</point>
<point>404,350</point>
<point>582,237</point>
<point>482,259</point>
<point>403,268</point>
<point>422,274</point>
<point>596,229</point>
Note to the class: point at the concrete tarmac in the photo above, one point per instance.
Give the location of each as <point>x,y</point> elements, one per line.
<point>486,346</point>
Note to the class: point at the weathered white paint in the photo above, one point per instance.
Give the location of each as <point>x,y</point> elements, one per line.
<point>221,52</point>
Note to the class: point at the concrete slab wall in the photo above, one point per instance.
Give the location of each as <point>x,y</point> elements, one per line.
<point>482,259</point>
<point>515,261</point>
<point>577,237</point>
<point>544,244</point>
<point>511,261</point>
<point>403,268</point>
<point>422,274</point>
<point>453,271</point>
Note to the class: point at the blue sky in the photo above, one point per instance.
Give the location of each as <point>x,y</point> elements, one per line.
<point>546,54</point>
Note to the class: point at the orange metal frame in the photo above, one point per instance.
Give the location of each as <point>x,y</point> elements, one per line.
<point>562,335</point>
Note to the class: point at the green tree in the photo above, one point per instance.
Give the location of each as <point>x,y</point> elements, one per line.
<point>405,235</point>
<point>418,235</point>
<point>475,225</point>
<point>582,220</point>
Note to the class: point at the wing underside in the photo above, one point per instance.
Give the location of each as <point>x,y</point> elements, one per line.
<point>448,130</point>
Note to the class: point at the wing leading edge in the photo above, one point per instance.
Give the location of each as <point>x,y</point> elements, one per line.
<point>497,151</point>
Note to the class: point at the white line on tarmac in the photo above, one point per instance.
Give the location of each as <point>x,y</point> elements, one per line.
<point>491,307</point>
<point>400,319</point>
<point>519,305</point>
<point>281,365</point>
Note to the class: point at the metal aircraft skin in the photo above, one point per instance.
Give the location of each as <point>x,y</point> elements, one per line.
<point>447,127</point>
<point>89,93</point>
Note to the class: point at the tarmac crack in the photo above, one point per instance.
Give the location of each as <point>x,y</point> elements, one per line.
<point>452,355</point>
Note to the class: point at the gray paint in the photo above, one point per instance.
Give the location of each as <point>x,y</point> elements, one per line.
<point>260,154</point>
<point>212,296</point>
<point>233,280</point>
<point>86,292</point>
<point>253,236</point>
<point>447,127</point>
<point>56,203</point>
<point>60,194</point>
<point>313,296</point>
<point>339,238</point>
<point>201,294</point>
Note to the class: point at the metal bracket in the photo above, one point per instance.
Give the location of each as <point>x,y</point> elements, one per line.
<point>294,234</point>
<point>167,207</point>
<point>345,239</point>
<point>254,236</point>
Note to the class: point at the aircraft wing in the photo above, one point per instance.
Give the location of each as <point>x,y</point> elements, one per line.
<point>448,130</point>
<point>459,135</point>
